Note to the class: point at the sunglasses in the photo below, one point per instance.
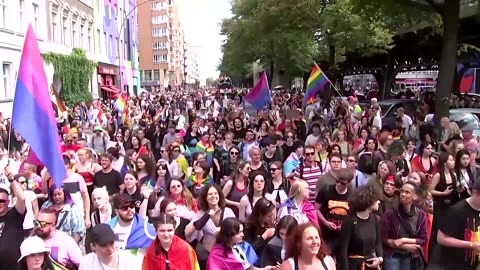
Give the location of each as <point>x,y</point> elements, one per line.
<point>41,224</point>
<point>69,141</point>
<point>273,169</point>
<point>128,206</point>
<point>234,153</point>
<point>176,150</point>
<point>309,154</point>
<point>176,186</point>
<point>341,183</point>
<point>351,160</point>
<point>22,182</point>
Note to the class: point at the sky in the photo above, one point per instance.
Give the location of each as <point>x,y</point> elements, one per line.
<point>200,20</point>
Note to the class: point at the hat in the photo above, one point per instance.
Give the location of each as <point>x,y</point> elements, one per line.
<point>121,200</point>
<point>97,128</point>
<point>102,234</point>
<point>32,245</point>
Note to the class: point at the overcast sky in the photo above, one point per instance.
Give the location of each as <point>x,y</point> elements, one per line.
<point>200,20</point>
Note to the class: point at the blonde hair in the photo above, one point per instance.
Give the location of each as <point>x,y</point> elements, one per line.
<point>101,192</point>
<point>297,188</point>
<point>253,148</point>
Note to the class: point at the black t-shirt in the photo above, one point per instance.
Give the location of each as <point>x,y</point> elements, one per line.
<point>137,198</point>
<point>11,236</point>
<point>334,207</point>
<point>462,222</point>
<point>111,180</point>
<point>238,135</point>
<point>221,125</point>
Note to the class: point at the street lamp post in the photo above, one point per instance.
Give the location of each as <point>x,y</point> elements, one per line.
<point>124,19</point>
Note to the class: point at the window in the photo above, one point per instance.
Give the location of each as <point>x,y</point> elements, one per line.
<point>21,13</point>
<point>148,75</point>
<point>54,33</point>
<point>99,37</point>
<point>3,13</point>
<point>156,75</point>
<point>105,43</point>
<point>159,19</point>
<point>65,28</point>
<point>162,5</point>
<point>6,76</point>
<point>82,35</point>
<point>35,17</point>
<point>74,41</point>
<point>90,37</point>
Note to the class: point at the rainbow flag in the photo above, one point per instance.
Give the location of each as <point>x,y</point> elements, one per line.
<point>207,149</point>
<point>259,96</point>
<point>121,102</point>
<point>56,265</point>
<point>315,83</point>
<point>33,117</point>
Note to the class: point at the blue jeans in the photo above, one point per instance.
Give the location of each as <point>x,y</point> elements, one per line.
<point>397,262</point>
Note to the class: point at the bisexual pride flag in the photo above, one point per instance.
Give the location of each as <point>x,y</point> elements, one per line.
<point>33,117</point>
<point>259,96</point>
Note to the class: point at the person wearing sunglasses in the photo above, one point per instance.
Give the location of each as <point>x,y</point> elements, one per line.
<point>63,247</point>
<point>332,205</point>
<point>133,232</point>
<point>228,165</point>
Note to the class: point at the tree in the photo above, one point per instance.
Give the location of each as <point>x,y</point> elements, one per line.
<point>448,12</point>
<point>212,82</point>
<point>279,34</point>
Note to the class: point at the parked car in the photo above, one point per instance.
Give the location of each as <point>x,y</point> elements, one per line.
<point>467,119</point>
<point>389,110</point>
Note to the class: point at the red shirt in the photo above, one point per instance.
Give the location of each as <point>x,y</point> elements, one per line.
<point>72,147</point>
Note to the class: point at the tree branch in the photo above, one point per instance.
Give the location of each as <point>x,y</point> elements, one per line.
<point>437,7</point>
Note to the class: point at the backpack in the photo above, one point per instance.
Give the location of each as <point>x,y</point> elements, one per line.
<point>302,167</point>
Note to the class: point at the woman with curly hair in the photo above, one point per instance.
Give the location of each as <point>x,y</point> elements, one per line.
<point>360,235</point>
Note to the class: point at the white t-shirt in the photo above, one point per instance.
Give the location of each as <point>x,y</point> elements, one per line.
<point>126,261</point>
<point>122,234</point>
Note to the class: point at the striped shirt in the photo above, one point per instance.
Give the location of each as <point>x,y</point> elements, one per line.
<point>311,174</point>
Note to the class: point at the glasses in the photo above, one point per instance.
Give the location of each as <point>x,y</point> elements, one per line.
<point>176,186</point>
<point>22,182</point>
<point>69,141</point>
<point>176,150</point>
<point>335,161</point>
<point>273,169</point>
<point>128,206</point>
<point>234,153</point>
<point>309,154</point>
<point>351,160</point>
<point>41,224</point>
<point>341,183</point>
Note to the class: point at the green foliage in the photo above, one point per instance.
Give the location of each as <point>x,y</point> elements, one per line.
<point>75,71</point>
<point>272,32</point>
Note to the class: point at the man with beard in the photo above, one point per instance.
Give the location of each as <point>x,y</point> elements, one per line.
<point>11,223</point>
<point>133,232</point>
<point>63,248</point>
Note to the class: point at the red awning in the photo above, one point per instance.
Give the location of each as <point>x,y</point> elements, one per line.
<point>115,89</point>
<point>108,89</point>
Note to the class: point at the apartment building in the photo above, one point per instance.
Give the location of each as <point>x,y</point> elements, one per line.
<point>161,45</point>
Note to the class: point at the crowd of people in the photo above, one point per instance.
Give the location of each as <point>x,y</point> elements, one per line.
<point>190,180</point>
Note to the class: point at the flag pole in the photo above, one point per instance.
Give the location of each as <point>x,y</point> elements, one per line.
<point>336,90</point>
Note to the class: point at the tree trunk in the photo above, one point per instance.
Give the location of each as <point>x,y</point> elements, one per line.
<point>450,19</point>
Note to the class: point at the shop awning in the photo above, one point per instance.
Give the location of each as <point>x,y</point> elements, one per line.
<point>108,89</point>
<point>115,89</point>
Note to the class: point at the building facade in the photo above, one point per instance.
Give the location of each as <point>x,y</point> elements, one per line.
<point>192,75</point>
<point>116,46</point>
<point>161,47</point>
<point>15,16</point>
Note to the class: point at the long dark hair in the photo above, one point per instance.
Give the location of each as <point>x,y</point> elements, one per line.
<point>228,228</point>
<point>251,189</point>
<point>260,210</point>
<point>46,265</point>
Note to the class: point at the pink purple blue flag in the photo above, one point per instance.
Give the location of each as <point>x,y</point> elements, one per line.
<point>33,116</point>
<point>259,96</point>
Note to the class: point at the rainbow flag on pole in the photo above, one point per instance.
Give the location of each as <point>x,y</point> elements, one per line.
<point>315,84</point>
<point>121,102</point>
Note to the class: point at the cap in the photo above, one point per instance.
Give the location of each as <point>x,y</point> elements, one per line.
<point>32,245</point>
<point>97,128</point>
<point>121,200</point>
<point>102,234</point>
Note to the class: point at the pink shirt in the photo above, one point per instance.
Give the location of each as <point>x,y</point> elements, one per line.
<point>64,249</point>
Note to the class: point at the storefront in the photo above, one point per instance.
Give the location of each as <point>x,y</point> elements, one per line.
<point>106,78</point>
